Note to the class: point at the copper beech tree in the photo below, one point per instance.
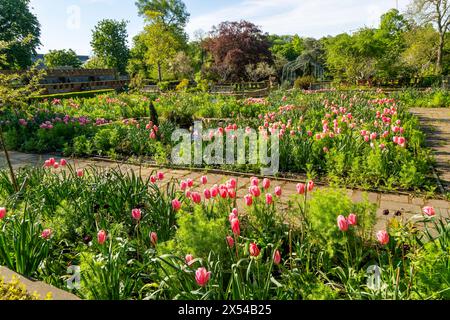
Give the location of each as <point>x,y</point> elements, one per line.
<point>233,46</point>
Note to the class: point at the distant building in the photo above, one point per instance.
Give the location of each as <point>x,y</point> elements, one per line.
<point>40,56</point>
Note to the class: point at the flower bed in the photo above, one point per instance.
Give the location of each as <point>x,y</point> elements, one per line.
<point>153,238</point>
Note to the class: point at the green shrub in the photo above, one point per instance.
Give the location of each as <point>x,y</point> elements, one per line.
<point>304,82</point>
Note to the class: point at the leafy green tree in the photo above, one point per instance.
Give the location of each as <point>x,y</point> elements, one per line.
<point>95,62</point>
<point>16,24</point>
<point>162,46</point>
<point>436,12</point>
<point>62,58</point>
<point>109,42</point>
<point>169,12</point>
<point>290,47</point>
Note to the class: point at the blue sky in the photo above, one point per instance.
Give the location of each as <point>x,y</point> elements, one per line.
<point>68,23</point>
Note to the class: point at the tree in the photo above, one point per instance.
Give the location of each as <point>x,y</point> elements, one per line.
<point>290,47</point>
<point>436,12</point>
<point>162,45</point>
<point>233,45</point>
<point>109,42</point>
<point>181,66</point>
<point>169,12</point>
<point>95,62</point>
<point>16,24</point>
<point>259,71</point>
<point>62,58</point>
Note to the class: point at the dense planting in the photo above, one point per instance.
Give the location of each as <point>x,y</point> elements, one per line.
<point>152,238</point>
<point>354,138</point>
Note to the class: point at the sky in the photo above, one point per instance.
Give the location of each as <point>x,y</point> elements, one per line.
<point>68,24</point>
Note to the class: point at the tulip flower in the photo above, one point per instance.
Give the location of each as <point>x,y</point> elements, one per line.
<point>176,204</point>
<point>136,214</point>
<point>310,186</point>
<point>266,183</point>
<point>214,191</point>
<point>160,176</point>
<point>46,234</point>
<point>230,241</point>
<point>277,257</point>
<point>189,259</point>
<point>301,188</point>
<point>248,200</point>
<point>202,276</point>
<point>63,162</point>
<point>233,183</point>
<point>223,193</point>
<point>352,219</point>
<point>207,194</point>
<point>2,213</point>
<point>196,197</point>
<point>254,250</point>
<point>190,182</point>
<point>429,211</point>
<point>183,185</point>
<point>254,181</point>
<point>383,237</point>
<point>342,223</point>
<point>278,191</point>
<point>235,226</point>
<point>269,199</point>
<point>80,173</point>
<point>204,180</point>
<point>255,191</point>
<point>101,237</point>
<point>153,179</point>
<point>153,238</point>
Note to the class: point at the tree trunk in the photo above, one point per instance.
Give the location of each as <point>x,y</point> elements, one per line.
<point>8,160</point>
<point>159,72</point>
<point>440,53</point>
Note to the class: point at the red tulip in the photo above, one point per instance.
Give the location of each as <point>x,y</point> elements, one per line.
<point>136,214</point>
<point>255,191</point>
<point>342,223</point>
<point>235,226</point>
<point>46,234</point>
<point>176,204</point>
<point>204,180</point>
<point>153,179</point>
<point>266,183</point>
<point>101,237</point>
<point>429,211</point>
<point>47,164</point>
<point>2,213</point>
<point>269,199</point>
<point>214,191</point>
<point>207,194</point>
<point>80,173</point>
<point>63,162</point>
<point>254,181</point>
<point>202,276</point>
<point>254,250</point>
<point>230,241</point>
<point>278,191</point>
<point>160,176</point>
<point>183,185</point>
<point>310,185</point>
<point>233,183</point>
<point>301,188</point>
<point>248,200</point>
<point>190,182</point>
<point>383,237</point>
<point>56,165</point>
<point>196,197</point>
<point>352,219</point>
<point>153,238</point>
<point>277,257</point>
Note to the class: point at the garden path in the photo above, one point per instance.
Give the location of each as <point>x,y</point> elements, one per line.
<point>408,205</point>
<point>436,125</point>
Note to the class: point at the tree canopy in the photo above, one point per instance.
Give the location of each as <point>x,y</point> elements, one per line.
<point>62,58</point>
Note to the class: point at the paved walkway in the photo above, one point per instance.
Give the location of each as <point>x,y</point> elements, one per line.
<point>406,204</point>
<point>436,125</point>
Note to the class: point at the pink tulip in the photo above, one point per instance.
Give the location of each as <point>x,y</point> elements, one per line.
<point>230,241</point>
<point>278,191</point>
<point>233,183</point>
<point>46,234</point>
<point>352,219</point>
<point>231,193</point>
<point>255,191</point>
<point>204,180</point>
<point>266,183</point>
<point>254,181</point>
<point>254,250</point>
<point>429,211</point>
<point>269,199</point>
<point>160,176</point>
<point>52,161</point>
<point>153,238</point>
<point>235,226</point>
<point>235,211</point>
<point>153,135</point>
<point>223,193</point>
<point>202,276</point>
<point>248,200</point>
<point>196,197</point>
<point>301,188</point>
<point>383,237</point>
<point>63,162</point>
<point>188,194</point>
<point>183,185</point>
<point>190,182</point>
<point>101,237</point>
<point>342,223</point>
<point>176,204</point>
<point>277,257</point>
<point>80,173</point>
<point>56,165</point>
<point>207,194</point>
<point>2,213</point>
<point>153,179</point>
<point>136,214</point>
<point>189,259</point>
<point>214,191</point>
<point>310,186</point>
